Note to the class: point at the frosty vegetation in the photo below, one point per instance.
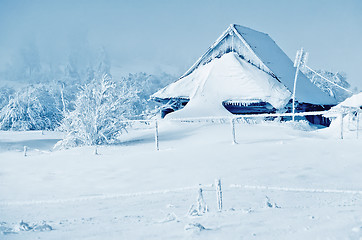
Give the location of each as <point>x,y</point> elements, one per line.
<point>334,91</point>
<point>82,99</point>
<point>41,106</point>
<point>31,108</point>
<point>99,111</point>
<point>90,114</point>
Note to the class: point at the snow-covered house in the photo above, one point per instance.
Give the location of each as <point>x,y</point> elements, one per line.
<point>243,72</point>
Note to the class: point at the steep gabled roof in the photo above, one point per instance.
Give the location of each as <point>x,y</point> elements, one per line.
<point>260,50</point>
<point>247,50</point>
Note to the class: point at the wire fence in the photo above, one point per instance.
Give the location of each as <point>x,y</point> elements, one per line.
<point>200,199</point>
<point>234,119</point>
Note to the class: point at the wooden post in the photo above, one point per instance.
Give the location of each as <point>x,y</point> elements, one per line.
<point>25,151</point>
<point>233,130</point>
<point>341,125</point>
<point>357,123</point>
<point>201,204</point>
<point>156,135</point>
<point>218,194</point>
<point>96,150</point>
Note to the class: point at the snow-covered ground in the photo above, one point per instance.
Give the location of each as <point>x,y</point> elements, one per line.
<point>132,191</point>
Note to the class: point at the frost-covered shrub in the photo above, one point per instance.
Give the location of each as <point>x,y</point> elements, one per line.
<point>99,113</point>
<point>30,108</point>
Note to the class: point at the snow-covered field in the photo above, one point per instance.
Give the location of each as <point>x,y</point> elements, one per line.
<point>131,191</point>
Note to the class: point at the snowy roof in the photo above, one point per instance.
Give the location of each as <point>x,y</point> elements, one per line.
<point>260,50</point>
<point>241,82</point>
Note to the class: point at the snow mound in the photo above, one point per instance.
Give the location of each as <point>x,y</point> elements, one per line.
<point>354,101</point>
<point>348,107</point>
<point>225,78</point>
<point>24,227</point>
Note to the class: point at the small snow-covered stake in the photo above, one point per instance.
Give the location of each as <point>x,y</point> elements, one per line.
<point>201,206</point>
<point>197,227</point>
<point>156,135</point>
<point>341,125</point>
<point>357,124</point>
<point>233,130</point>
<point>270,204</point>
<point>218,194</point>
<point>23,226</point>
<point>25,151</point>
<point>96,151</point>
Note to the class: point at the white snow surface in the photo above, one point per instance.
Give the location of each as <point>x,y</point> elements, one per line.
<point>226,78</point>
<point>310,178</point>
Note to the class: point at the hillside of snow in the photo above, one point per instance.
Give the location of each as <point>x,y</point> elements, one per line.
<point>132,191</point>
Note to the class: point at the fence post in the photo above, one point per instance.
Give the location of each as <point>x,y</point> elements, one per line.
<point>201,204</point>
<point>218,194</point>
<point>25,151</point>
<point>341,125</point>
<point>357,123</point>
<point>96,150</point>
<point>233,130</point>
<point>156,135</point>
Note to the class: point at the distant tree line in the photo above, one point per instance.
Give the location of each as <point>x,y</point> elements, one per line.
<point>82,100</point>
<point>42,106</point>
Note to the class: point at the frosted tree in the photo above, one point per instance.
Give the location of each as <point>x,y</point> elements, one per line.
<point>5,95</point>
<point>99,113</point>
<point>333,90</point>
<point>31,108</point>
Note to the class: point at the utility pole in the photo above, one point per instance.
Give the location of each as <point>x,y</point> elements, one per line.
<point>300,61</point>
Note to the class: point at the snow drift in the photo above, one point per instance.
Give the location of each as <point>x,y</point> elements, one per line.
<point>226,78</point>
<point>354,101</point>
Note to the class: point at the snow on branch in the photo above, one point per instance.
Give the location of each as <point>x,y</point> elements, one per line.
<point>99,113</point>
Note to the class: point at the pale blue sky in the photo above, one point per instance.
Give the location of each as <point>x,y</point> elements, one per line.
<point>171,35</point>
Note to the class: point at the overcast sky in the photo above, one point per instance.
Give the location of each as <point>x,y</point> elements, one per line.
<point>171,35</point>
